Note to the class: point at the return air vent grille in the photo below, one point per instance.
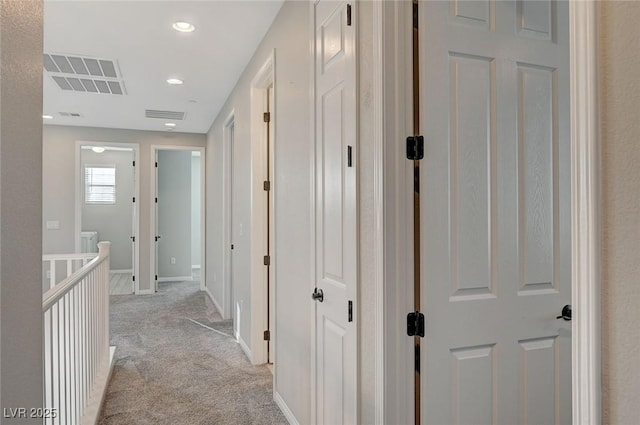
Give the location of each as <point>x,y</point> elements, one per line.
<point>165,115</point>
<point>81,74</point>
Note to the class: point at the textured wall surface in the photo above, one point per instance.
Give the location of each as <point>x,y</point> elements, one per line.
<point>620,130</point>
<point>20,206</point>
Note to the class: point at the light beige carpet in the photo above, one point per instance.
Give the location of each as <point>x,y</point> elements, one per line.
<point>171,370</point>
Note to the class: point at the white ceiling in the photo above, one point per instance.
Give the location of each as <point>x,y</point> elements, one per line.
<point>139,36</point>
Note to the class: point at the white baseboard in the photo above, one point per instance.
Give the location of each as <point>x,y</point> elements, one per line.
<point>245,348</point>
<point>176,279</point>
<point>214,301</point>
<point>94,404</point>
<point>120,271</point>
<point>145,292</point>
<point>285,409</point>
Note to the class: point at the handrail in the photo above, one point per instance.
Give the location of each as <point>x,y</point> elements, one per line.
<point>54,294</point>
<point>80,256</point>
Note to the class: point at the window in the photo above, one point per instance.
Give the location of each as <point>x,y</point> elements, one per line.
<point>99,184</point>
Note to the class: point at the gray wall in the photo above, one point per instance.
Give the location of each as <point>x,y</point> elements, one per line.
<point>113,222</point>
<point>196,213</point>
<point>289,36</point>
<point>619,67</point>
<point>20,205</point>
<point>58,168</point>
<point>174,213</point>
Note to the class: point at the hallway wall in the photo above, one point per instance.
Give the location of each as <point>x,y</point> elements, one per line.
<point>289,36</point>
<point>58,177</point>
<point>620,175</point>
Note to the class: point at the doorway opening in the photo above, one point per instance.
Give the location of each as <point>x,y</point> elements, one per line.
<point>107,195</point>
<point>177,224</point>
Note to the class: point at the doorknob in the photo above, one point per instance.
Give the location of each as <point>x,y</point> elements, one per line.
<point>566,313</point>
<point>317,295</point>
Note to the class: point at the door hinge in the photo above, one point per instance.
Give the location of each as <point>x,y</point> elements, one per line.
<point>156,164</point>
<point>348,15</point>
<point>415,15</point>
<point>156,277</point>
<point>415,324</point>
<point>134,199</point>
<point>415,147</point>
<point>350,311</point>
<point>134,163</point>
<point>267,185</point>
<point>349,156</point>
<point>231,246</point>
<point>267,260</point>
<point>134,278</point>
<point>156,200</point>
<point>266,117</point>
<point>267,335</point>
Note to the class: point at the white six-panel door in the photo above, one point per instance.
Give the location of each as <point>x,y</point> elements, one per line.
<point>336,224</point>
<point>495,212</point>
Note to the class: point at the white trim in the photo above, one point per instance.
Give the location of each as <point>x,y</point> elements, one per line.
<point>94,404</point>
<point>585,215</point>
<point>176,279</point>
<point>135,147</point>
<point>378,210</point>
<point>312,212</point>
<point>120,271</point>
<point>153,185</point>
<point>213,300</point>
<point>227,189</point>
<point>288,414</point>
<point>264,78</point>
<point>245,348</point>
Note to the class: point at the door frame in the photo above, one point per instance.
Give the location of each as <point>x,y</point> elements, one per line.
<point>263,79</point>
<point>227,308</point>
<point>392,54</point>
<point>135,147</point>
<point>153,185</point>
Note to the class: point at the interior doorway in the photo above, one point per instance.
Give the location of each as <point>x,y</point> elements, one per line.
<point>107,194</point>
<point>177,224</point>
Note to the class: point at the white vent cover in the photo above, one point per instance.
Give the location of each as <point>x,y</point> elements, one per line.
<point>165,115</point>
<point>74,73</point>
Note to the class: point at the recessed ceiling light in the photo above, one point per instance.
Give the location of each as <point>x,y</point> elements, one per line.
<point>97,149</point>
<point>184,26</point>
<point>170,124</point>
<point>174,81</point>
<point>47,117</point>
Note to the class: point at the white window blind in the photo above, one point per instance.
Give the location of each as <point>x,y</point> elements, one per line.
<point>100,184</point>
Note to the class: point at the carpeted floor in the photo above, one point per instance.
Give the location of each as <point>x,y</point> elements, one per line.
<point>171,370</point>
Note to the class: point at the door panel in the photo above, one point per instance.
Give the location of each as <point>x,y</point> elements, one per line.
<point>336,226</point>
<point>494,212</point>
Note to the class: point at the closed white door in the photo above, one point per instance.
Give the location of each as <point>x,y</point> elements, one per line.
<point>336,226</point>
<point>495,212</point>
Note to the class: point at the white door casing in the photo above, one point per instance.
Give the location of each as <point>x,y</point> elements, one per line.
<point>495,212</point>
<point>336,220</point>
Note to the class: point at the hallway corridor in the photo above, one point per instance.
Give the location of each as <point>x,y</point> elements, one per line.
<point>169,369</point>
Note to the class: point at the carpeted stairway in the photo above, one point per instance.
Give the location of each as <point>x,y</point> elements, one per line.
<point>171,370</point>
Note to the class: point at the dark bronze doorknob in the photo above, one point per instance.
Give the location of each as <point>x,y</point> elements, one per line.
<point>317,295</point>
<point>566,313</point>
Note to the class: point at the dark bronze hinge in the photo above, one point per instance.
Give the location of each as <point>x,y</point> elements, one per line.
<point>267,336</point>
<point>267,185</point>
<point>348,15</point>
<point>266,117</point>
<point>415,324</point>
<point>267,260</point>
<point>350,311</point>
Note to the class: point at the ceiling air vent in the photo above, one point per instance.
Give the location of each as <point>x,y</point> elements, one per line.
<point>165,115</point>
<point>81,74</point>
